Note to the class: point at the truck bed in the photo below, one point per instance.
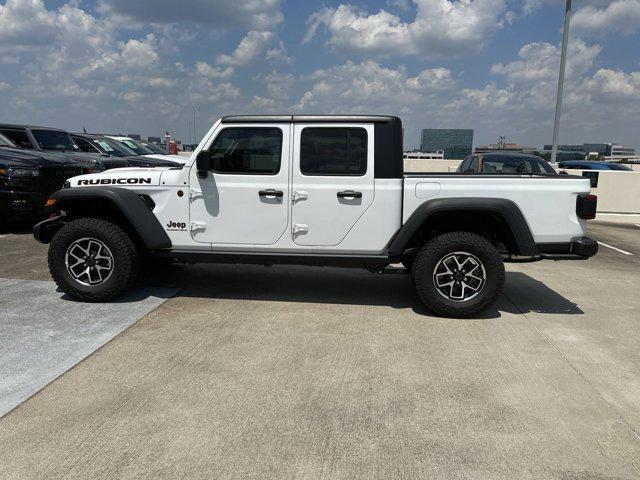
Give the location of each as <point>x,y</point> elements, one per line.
<point>546,201</point>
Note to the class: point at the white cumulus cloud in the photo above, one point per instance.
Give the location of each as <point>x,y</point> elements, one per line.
<point>441,27</point>
<point>541,61</point>
<point>252,45</point>
<point>618,16</point>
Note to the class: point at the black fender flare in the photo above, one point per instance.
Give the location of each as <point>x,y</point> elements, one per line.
<point>504,209</point>
<point>134,209</point>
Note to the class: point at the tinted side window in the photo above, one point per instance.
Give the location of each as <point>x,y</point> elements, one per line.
<point>333,151</point>
<point>18,137</point>
<point>85,146</point>
<point>473,165</point>
<point>247,151</point>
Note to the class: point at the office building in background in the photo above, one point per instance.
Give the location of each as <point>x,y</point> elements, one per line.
<point>609,152</point>
<point>455,143</point>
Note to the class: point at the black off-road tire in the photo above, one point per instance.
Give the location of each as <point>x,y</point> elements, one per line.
<point>126,262</point>
<point>446,244</point>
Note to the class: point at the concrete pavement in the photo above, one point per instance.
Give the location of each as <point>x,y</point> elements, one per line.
<point>294,372</point>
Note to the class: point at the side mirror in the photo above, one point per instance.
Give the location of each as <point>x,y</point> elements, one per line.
<point>203,164</point>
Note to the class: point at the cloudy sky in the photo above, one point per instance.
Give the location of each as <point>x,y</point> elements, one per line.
<point>143,65</point>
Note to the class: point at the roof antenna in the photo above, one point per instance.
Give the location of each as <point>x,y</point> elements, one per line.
<point>84,129</point>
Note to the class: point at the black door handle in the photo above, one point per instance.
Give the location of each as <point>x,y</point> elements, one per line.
<point>349,194</point>
<point>270,192</point>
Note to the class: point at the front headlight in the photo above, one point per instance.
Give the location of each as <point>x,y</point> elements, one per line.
<point>22,172</point>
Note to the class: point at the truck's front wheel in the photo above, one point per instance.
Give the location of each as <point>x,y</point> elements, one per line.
<point>458,274</point>
<point>93,260</point>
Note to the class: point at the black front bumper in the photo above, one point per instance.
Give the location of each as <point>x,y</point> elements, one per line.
<point>18,205</point>
<point>578,249</point>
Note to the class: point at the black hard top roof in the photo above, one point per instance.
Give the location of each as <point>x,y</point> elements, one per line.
<point>310,119</point>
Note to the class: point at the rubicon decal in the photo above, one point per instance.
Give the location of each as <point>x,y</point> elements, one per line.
<point>176,226</point>
<point>115,181</point>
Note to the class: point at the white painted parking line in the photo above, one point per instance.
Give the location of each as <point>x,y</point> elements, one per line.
<point>615,248</point>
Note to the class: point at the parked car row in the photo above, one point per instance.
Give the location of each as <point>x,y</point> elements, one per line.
<point>36,161</point>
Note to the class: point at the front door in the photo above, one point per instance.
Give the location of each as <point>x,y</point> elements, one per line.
<point>333,181</point>
<point>245,198</point>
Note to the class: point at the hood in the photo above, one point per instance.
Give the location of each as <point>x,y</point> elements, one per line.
<point>171,158</point>
<point>145,161</point>
<point>120,177</point>
<point>83,158</point>
<point>31,158</point>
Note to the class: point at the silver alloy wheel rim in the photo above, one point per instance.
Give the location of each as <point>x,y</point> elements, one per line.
<point>89,261</point>
<point>459,276</point>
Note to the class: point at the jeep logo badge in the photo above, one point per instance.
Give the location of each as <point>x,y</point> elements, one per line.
<point>176,226</point>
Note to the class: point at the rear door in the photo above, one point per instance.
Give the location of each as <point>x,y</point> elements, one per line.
<point>332,181</point>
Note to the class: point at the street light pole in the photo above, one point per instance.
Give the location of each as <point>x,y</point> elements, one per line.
<point>563,63</point>
<point>195,140</point>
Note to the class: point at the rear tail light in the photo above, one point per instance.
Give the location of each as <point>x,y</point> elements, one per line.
<point>586,206</point>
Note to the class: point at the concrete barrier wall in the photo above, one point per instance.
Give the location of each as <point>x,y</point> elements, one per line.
<point>430,166</point>
<point>618,192</point>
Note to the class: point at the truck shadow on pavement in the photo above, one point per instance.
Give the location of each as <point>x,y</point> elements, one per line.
<point>523,294</point>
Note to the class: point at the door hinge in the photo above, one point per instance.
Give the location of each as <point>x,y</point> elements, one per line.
<point>197,226</point>
<point>299,228</point>
<point>299,195</point>
<point>195,193</point>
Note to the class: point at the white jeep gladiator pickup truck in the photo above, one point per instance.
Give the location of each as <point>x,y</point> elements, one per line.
<point>314,190</point>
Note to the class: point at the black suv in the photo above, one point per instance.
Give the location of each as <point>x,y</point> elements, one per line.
<point>93,143</point>
<point>58,143</point>
<point>27,178</point>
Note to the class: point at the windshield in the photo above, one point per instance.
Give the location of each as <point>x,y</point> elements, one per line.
<point>112,147</point>
<point>155,148</point>
<point>136,147</point>
<point>516,165</point>
<point>5,142</point>
<point>54,140</point>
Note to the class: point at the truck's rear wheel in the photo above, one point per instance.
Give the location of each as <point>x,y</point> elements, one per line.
<point>458,274</point>
<point>93,260</point>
